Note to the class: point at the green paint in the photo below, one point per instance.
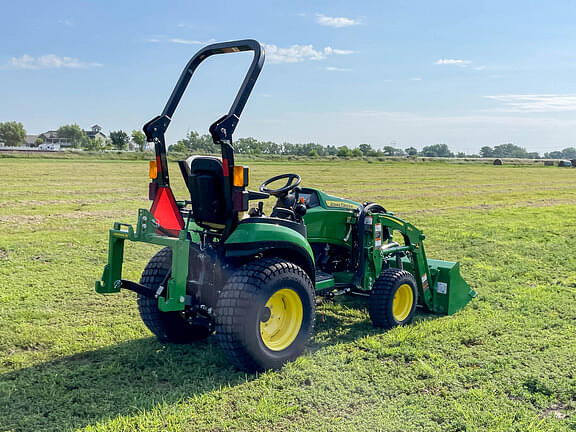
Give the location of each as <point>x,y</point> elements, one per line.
<point>146,233</point>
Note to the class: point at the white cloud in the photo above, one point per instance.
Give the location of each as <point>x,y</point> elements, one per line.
<point>536,102</point>
<point>415,79</point>
<point>179,41</point>
<point>337,22</point>
<point>48,61</point>
<point>191,42</point>
<point>299,53</point>
<point>336,69</point>
<point>330,51</point>
<point>457,62</point>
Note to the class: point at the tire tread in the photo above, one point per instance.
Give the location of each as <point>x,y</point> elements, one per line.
<point>382,291</point>
<point>235,299</point>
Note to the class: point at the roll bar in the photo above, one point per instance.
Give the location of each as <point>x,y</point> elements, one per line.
<point>223,128</point>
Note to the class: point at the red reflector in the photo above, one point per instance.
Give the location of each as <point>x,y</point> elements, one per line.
<point>158,164</point>
<point>225,170</point>
<point>165,210</point>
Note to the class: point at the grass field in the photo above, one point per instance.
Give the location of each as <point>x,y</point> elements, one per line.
<point>71,359</point>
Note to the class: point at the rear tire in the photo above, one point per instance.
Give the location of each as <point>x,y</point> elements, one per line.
<point>166,326</point>
<point>265,314</point>
<point>393,299</point>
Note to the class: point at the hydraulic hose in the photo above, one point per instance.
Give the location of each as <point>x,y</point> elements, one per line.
<point>374,208</point>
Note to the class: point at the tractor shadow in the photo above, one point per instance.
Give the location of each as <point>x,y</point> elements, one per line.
<point>134,376</point>
<point>346,319</point>
<point>138,375</point>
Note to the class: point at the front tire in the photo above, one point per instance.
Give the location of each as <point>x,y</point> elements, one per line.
<point>265,314</point>
<point>166,326</point>
<point>393,299</point>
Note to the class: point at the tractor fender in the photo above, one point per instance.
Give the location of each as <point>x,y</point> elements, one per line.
<point>272,241</point>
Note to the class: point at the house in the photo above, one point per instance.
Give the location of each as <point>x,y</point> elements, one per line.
<point>95,132</point>
<point>51,137</point>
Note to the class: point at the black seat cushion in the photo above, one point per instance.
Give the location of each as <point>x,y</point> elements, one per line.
<point>206,185</point>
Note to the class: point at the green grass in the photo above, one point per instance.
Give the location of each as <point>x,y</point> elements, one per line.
<point>71,359</point>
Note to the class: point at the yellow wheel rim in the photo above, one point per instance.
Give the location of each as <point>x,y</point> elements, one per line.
<point>282,319</point>
<point>402,303</point>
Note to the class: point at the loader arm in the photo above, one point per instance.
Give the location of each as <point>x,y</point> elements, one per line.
<point>441,288</point>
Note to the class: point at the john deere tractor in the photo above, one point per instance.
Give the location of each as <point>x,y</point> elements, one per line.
<point>253,280</point>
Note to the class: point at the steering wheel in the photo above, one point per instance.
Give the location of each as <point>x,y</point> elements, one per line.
<point>292,182</point>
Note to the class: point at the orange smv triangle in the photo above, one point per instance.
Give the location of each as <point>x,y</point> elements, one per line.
<point>165,211</point>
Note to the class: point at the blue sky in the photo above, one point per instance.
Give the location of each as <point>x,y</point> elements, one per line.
<point>411,73</point>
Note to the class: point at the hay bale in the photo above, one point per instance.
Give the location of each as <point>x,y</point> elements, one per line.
<point>548,163</point>
<point>497,162</point>
<point>573,162</point>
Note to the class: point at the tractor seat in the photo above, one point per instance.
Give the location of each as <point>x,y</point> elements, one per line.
<point>300,228</point>
<point>205,181</point>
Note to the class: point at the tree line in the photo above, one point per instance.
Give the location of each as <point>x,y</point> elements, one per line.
<point>196,143</point>
<point>13,134</point>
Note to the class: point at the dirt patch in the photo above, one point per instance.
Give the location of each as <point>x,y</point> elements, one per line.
<point>557,411</point>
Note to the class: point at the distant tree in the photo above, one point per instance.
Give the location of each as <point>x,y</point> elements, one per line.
<point>196,143</point>
<point>357,152</point>
<point>74,133</point>
<point>344,151</point>
<point>96,144</point>
<point>38,141</point>
<point>569,153</point>
<point>554,155</point>
<point>331,150</point>
<point>119,139</point>
<point>12,133</point>
<point>437,150</point>
<point>460,155</point>
<point>248,146</point>
<point>139,139</point>
<point>313,153</point>
<point>411,151</point>
<point>270,147</point>
<point>487,152</point>
<point>86,142</point>
<point>179,147</point>
<point>392,151</point>
<point>365,149</point>
<point>509,150</point>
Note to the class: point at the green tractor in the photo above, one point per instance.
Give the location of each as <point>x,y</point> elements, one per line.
<point>254,279</point>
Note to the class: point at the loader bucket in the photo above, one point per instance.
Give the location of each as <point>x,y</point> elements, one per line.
<point>451,292</point>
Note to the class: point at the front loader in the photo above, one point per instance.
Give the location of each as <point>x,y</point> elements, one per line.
<point>253,280</point>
